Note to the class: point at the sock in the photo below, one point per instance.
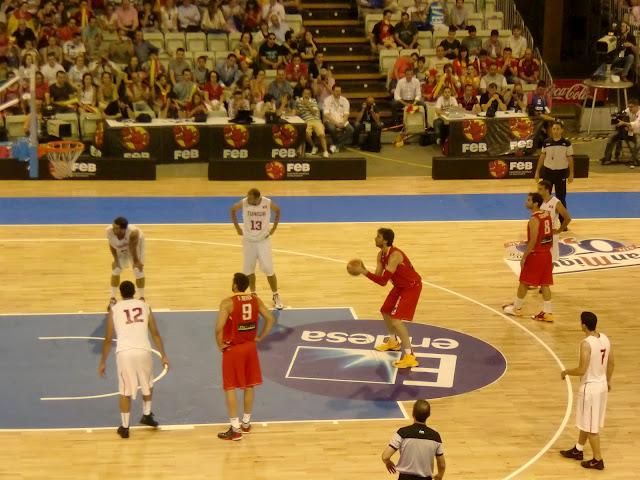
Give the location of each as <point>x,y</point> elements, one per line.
<point>125,419</point>
<point>275,293</point>
<point>235,423</point>
<point>141,291</point>
<point>546,307</point>
<point>246,418</point>
<point>114,292</point>
<point>518,302</point>
<point>579,447</point>
<point>146,407</point>
<point>408,351</point>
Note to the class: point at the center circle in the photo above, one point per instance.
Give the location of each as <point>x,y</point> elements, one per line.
<point>338,359</point>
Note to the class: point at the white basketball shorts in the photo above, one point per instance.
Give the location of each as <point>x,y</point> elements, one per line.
<point>591,403</point>
<point>257,252</point>
<point>135,369</point>
<point>124,256</point>
<point>555,249</point>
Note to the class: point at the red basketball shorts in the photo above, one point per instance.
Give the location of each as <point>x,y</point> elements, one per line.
<point>401,303</point>
<point>537,269</point>
<point>240,366</point>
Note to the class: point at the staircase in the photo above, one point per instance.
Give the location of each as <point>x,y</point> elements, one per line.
<point>341,37</point>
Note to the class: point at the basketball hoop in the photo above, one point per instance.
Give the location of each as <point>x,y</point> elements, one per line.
<point>62,155</point>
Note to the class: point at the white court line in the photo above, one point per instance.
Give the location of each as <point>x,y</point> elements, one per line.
<point>567,413</point>
<point>104,395</point>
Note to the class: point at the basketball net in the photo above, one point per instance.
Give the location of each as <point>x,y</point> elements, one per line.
<point>62,156</point>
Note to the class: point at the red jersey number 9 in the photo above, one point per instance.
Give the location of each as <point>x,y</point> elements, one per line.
<point>246,311</point>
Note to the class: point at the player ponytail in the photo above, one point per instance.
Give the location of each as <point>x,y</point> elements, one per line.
<point>387,235</point>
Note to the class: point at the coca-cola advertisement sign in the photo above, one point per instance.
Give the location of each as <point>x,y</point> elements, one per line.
<point>572,90</point>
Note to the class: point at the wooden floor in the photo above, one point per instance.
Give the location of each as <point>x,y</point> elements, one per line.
<point>488,434</point>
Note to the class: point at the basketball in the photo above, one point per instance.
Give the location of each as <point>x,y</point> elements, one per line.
<point>353,266</point>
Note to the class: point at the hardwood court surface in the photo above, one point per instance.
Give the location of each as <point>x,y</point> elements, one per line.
<point>488,433</point>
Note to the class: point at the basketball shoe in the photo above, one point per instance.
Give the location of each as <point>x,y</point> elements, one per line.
<point>543,317</point>
<point>408,360</point>
<point>510,309</point>
<point>149,420</point>
<point>593,463</point>
<point>277,302</point>
<point>123,431</point>
<point>390,344</point>
<point>245,427</point>
<point>573,453</point>
<point>230,434</point>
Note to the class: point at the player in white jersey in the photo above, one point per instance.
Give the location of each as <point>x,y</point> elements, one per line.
<point>557,210</point>
<point>256,234</point>
<point>132,321</point>
<point>126,243</point>
<point>595,369</point>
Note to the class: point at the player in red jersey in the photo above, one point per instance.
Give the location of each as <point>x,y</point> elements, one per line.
<point>403,298</point>
<point>236,337</point>
<point>536,264</point>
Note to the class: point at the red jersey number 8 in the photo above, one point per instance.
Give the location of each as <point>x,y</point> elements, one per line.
<point>547,227</point>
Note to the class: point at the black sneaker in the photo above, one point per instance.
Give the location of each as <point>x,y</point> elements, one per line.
<point>230,434</point>
<point>123,431</point>
<point>149,420</point>
<point>593,463</point>
<point>572,453</point>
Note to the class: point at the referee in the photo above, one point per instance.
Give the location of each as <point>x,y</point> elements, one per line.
<point>418,445</point>
<point>556,162</point>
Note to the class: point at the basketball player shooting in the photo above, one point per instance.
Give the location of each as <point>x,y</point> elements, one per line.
<point>132,321</point>
<point>126,243</point>
<point>236,336</point>
<point>401,303</point>
<point>256,235</point>
<point>536,263</point>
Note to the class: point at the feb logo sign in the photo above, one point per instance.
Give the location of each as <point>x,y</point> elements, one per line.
<point>581,255</point>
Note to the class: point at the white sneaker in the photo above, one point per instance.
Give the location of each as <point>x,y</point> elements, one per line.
<point>314,150</point>
<point>510,309</point>
<point>325,154</point>
<point>277,302</point>
<point>333,149</point>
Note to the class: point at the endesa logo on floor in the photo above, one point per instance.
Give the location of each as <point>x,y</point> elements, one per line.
<point>581,255</point>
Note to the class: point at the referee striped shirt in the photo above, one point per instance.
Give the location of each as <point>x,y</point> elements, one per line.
<point>418,445</point>
<point>557,153</point>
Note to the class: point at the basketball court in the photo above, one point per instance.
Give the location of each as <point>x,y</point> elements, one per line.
<point>329,403</point>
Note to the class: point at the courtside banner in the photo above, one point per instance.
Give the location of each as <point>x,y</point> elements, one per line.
<point>573,90</point>
<point>101,168</point>
<point>503,167</point>
<point>293,169</point>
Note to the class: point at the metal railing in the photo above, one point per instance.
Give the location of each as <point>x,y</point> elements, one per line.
<point>513,18</point>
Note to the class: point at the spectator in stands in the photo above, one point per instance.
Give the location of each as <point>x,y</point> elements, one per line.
<point>252,16</point>
<point>5,41</point>
<point>436,63</point>
<point>72,49</point>
<point>437,14</point>
<point>307,108</point>
<point>107,20</point>
<point>469,100</point>
<point>407,92</point>
<point>139,93</point>
<point>153,68</point>
<point>451,44</point>
<point>21,13</point>
<point>12,92</point>
<point>444,104</point>
<point>127,18</point>
<point>634,13</point>
<point>185,87</point>
<point>245,69</point>
<point>160,94</point>
<point>517,42</point>
<point>119,109</point>
<point>400,66</point>
<point>472,78</point>
<point>429,87</point>
<point>200,71</point>
<point>87,94</point>
<point>121,50</point>
<point>539,101</point>
<point>458,15</point>
<point>278,27</point>
<point>405,33</point>
<point>368,116</point>
<point>280,86</point>
<point>244,49</point>
<point>177,65</point>
<point>234,13</point>
<point>529,68</point>
<point>28,60</point>
<point>472,42</point>
<point>624,131</point>
<point>108,89</point>
<point>382,35</point>
<point>448,79</point>
<point>188,17</point>
<point>515,99</point>
<point>270,54</point>
<point>303,83</point>
<point>289,47</point>
<point>627,40</point>
<point>237,103</point>
<point>259,85</point>
<point>296,69</point>
<point>169,17</point>
<point>317,65</point>
<point>83,14</point>
<point>421,21</point>
<point>267,105</point>
<point>62,94</point>
<point>23,34</point>
<point>494,76</point>
<point>213,20</point>
<point>493,46</point>
<point>336,120</point>
<point>196,106</point>
<point>323,85</point>
<point>228,70</point>
<point>461,62</point>
<point>147,18</point>
<point>492,99</point>
<point>508,66</point>
<point>422,69</point>
<point>51,68</point>
<point>273,7</point>
<point>213,91</point>
<point>92,38</point>
<point>77,71</point>
<point>484,62</point>
<point>307,46</point>
<point>141,47</point>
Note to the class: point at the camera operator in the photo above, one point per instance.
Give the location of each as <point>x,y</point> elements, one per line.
<point>627,125</point>
<point>625,54</point>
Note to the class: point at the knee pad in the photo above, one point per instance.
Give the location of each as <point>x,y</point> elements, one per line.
<point>116,271</point>
<point>138,273</point>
